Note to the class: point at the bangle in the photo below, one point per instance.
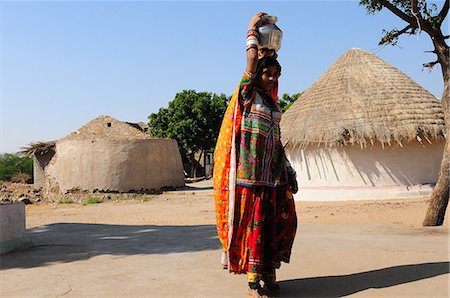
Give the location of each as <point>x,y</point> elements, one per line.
<point>252,39</point>
<point>252,32</point>
<point>252,42</point>
<point>251,46</point>
<point>250,74</point>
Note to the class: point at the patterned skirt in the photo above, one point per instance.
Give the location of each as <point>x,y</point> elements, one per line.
<point>264,229</point>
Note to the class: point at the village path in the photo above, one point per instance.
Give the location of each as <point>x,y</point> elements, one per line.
<point>166,246</point>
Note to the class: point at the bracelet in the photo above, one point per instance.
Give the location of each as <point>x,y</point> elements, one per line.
<point>250,74</point>
<point>252,39</point>
<point>252,43</point>
<point>253,32</point>
<point>251,46</point>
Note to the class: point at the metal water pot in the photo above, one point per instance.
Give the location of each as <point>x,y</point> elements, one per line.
<point>269,34</point>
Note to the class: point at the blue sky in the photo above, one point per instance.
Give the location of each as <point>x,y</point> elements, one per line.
<point>65,63</point>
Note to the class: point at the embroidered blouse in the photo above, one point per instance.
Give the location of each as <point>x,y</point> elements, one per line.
<point>260,154</point>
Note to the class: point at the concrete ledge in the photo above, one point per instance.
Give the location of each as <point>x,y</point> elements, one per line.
<point>12,228</point>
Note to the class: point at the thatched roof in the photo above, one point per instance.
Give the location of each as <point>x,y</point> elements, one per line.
<point>38,148</point>
<point>139,125</point>
<point>109,128</point>
<point>360,100</point>
<point>102,127</point>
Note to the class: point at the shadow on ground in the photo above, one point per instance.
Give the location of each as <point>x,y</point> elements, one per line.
<point>343,285</point>
<point>68,242</point>
<point>195,188</point>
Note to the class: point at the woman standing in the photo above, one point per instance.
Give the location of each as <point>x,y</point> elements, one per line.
<point>253,181</point>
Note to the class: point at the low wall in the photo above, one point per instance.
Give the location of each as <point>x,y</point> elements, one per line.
<point>122,166</point>
<point>12,228</point>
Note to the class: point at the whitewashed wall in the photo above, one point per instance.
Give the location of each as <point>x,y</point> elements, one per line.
<point>350,173</point>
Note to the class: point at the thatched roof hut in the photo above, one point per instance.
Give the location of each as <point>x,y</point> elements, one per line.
<point>364,130</point>
<point>106,155</point>
<point>361,100</point>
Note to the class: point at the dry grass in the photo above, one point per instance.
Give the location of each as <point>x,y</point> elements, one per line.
<point>361,100</point>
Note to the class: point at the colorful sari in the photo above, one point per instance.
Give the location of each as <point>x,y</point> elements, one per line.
<point>255,211</point>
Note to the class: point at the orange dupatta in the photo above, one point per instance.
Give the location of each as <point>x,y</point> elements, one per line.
<point>224,179</point>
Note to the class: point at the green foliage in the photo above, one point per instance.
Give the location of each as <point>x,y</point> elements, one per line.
<point>372,6</point>
<point>193,119</point>
<point>65,201</point>
<point>286,100</point>
<point>92,200</point>
<point>145,198</point>
<point>11,164</point>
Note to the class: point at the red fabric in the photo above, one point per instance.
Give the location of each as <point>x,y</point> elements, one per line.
<point>264,229</point>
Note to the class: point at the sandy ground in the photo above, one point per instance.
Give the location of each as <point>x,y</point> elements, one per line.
<point>188,207</point>
<point>165,246</point>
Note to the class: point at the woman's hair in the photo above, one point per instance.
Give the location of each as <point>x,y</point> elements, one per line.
<point>266,62</point>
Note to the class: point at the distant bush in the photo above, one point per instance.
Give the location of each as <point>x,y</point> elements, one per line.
<point>12,164</point>
<point>92,200</point>
<point>65,201</point>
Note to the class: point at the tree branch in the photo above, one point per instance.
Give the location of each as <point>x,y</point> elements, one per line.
<point>414,7</point>
<point>415,13</point>
<point>399,13</point>
<point>430,65</point>
<point>426,26</point>
<point>389,38</point>
<point>443,13</point>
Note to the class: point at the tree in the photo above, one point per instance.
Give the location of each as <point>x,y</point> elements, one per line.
<point>13,164</point>
<point>193,119</point>
<point>286,100</point>
<point>419,16</point>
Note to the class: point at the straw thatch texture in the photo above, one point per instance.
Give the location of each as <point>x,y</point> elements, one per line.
<point>361,100</point>
<point>102,127</point>
<point>108,128</point>
<point>38,148</point>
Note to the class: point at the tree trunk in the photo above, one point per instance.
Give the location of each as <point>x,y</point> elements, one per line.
<point>439,198</point>
<point>193,167</point>
<point>198,162</point>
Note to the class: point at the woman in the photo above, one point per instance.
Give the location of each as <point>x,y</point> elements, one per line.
<point>253,181</point>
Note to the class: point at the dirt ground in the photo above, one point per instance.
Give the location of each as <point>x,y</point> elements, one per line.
<point>197,207</point>
<point>165,245</point>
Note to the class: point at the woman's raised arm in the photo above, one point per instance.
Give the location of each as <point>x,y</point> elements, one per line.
<point>253,41</point>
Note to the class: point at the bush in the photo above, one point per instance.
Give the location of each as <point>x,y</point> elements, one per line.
<point>66,201</point>
<point>12,164</point>
<point>92,200</point>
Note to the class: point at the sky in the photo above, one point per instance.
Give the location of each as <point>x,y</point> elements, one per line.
<point>63,63</point>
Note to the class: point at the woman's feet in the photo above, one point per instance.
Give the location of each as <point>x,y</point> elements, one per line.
<point>270,284</point>
<point>258,293</point>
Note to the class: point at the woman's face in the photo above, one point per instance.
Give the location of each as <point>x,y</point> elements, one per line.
<point>269,78</point>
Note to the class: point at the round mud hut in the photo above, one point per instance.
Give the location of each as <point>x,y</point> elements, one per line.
<point>364,130</point>
<point>107,155</point>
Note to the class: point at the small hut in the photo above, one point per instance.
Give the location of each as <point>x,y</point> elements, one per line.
<point>364,130</point>
<point>107,155</point>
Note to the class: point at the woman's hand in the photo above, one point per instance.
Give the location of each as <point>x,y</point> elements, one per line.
<point>293,184</point>
<point>251,46</point>
<point>257,20</point>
